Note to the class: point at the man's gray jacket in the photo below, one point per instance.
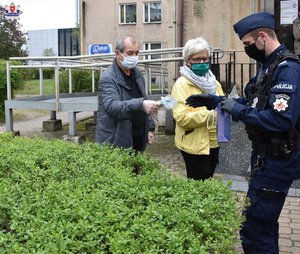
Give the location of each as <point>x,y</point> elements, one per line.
<point>116,108</point>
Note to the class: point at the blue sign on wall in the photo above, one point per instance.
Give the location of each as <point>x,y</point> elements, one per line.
<point>100,49</point>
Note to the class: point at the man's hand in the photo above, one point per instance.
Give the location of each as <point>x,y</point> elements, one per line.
<point>200,100</point>
<point>150,106</point>
<point>150,137</point>
<point>227,104</point>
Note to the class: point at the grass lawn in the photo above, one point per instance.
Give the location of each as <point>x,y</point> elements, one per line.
<point>32,87</point>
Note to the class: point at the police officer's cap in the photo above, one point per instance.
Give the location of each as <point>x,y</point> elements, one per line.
<point>253,21</point>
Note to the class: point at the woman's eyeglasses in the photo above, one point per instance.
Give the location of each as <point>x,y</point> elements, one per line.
<point>200,59</point>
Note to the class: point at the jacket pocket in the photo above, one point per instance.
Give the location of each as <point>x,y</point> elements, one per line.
<point>187,132</point>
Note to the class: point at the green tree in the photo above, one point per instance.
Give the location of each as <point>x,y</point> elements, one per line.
<point>76,31</point>
<point>48,52</point>
<point>12,38</point>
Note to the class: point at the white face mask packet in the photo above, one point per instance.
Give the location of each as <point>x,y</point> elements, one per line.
<point>168,101</point>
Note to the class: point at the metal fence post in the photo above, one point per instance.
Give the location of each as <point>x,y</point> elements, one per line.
<point>93,80</point>
<point>70,81</point>
<point>162,80</point>
<point>147,78</point>
<point>41,81</point>
<point>57,104</point>
<point>8,80</point>
<point>242,79</point>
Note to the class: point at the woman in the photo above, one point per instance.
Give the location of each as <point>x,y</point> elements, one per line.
<point>195,132</point>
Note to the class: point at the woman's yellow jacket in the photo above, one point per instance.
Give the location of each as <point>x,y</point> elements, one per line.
<point>195,131</point>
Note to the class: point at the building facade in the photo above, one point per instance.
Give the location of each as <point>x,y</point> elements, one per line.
<point>52,42</point>
<point>164,24</point>
<point>168,23</point>
<point>152,23</point>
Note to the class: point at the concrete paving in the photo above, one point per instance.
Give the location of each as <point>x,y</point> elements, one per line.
<point>166,153</point>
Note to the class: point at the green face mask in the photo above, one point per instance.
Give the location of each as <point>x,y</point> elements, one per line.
<point>200,69</point>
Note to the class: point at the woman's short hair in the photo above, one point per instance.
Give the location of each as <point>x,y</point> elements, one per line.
<point>194,46</point>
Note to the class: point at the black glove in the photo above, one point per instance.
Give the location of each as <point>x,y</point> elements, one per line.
<point>227,104</point>
<point>200,100</point>
<point>250,88</point>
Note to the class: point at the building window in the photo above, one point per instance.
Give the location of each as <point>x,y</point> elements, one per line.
<point>152,12</point>
<point>68,44</point>
<point>127,13</point>
<point>150,46</point>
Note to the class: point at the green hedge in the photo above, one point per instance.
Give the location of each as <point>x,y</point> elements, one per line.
<point>34,73</point>
<point>81,80</point>
<point>17,80</point>
<point>59,197</point>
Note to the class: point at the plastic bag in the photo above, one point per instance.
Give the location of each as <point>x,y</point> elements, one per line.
<point>223,125</point>
<point>234,93</point>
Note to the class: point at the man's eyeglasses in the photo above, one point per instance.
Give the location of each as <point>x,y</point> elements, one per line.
<point>200,59</point>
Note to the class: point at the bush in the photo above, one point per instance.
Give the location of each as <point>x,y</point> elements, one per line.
<point>17,81</point>
<point>48,73</point>
<point>81,80</point>
<point>58,197</point>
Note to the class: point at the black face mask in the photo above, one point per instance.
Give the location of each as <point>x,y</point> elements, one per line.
<point>253,52</point>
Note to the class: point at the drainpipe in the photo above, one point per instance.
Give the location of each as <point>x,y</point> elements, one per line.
<point>262,5</point>
<point>178,23</point>
<point>82,24</point>
<point>252,6</point>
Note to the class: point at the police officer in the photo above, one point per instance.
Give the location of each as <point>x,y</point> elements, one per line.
<point>271,115</point>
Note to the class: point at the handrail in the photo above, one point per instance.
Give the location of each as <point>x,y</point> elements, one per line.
<point>94,63</point>
<point>105,56</point>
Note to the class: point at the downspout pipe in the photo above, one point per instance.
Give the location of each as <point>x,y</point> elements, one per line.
<point>179,23</point>
<point>179,10</point>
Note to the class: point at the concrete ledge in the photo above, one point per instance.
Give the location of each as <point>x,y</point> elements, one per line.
<point>52,125</point>
<point>74,139</point>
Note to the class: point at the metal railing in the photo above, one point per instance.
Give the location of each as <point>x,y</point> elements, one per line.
<point>160,73</point>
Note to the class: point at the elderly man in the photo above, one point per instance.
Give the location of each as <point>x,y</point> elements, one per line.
<point>271,113</point>
<point>123,117</point>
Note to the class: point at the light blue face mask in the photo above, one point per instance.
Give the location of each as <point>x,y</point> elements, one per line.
<point>129,62</point>
<point>200,69</point>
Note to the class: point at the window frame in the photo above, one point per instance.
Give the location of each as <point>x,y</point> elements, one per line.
<point>148,46</point>
<point>148,15</point>
<point>122,10</point>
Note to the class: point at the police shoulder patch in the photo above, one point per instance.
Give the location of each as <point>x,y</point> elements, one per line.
<point>283,88</point>
<point>281,102</point>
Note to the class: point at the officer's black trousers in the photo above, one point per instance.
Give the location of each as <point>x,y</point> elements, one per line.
<point>260,231</point>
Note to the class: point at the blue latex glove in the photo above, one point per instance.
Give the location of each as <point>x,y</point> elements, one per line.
<point>200,100</point>
<point>227,104</point>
